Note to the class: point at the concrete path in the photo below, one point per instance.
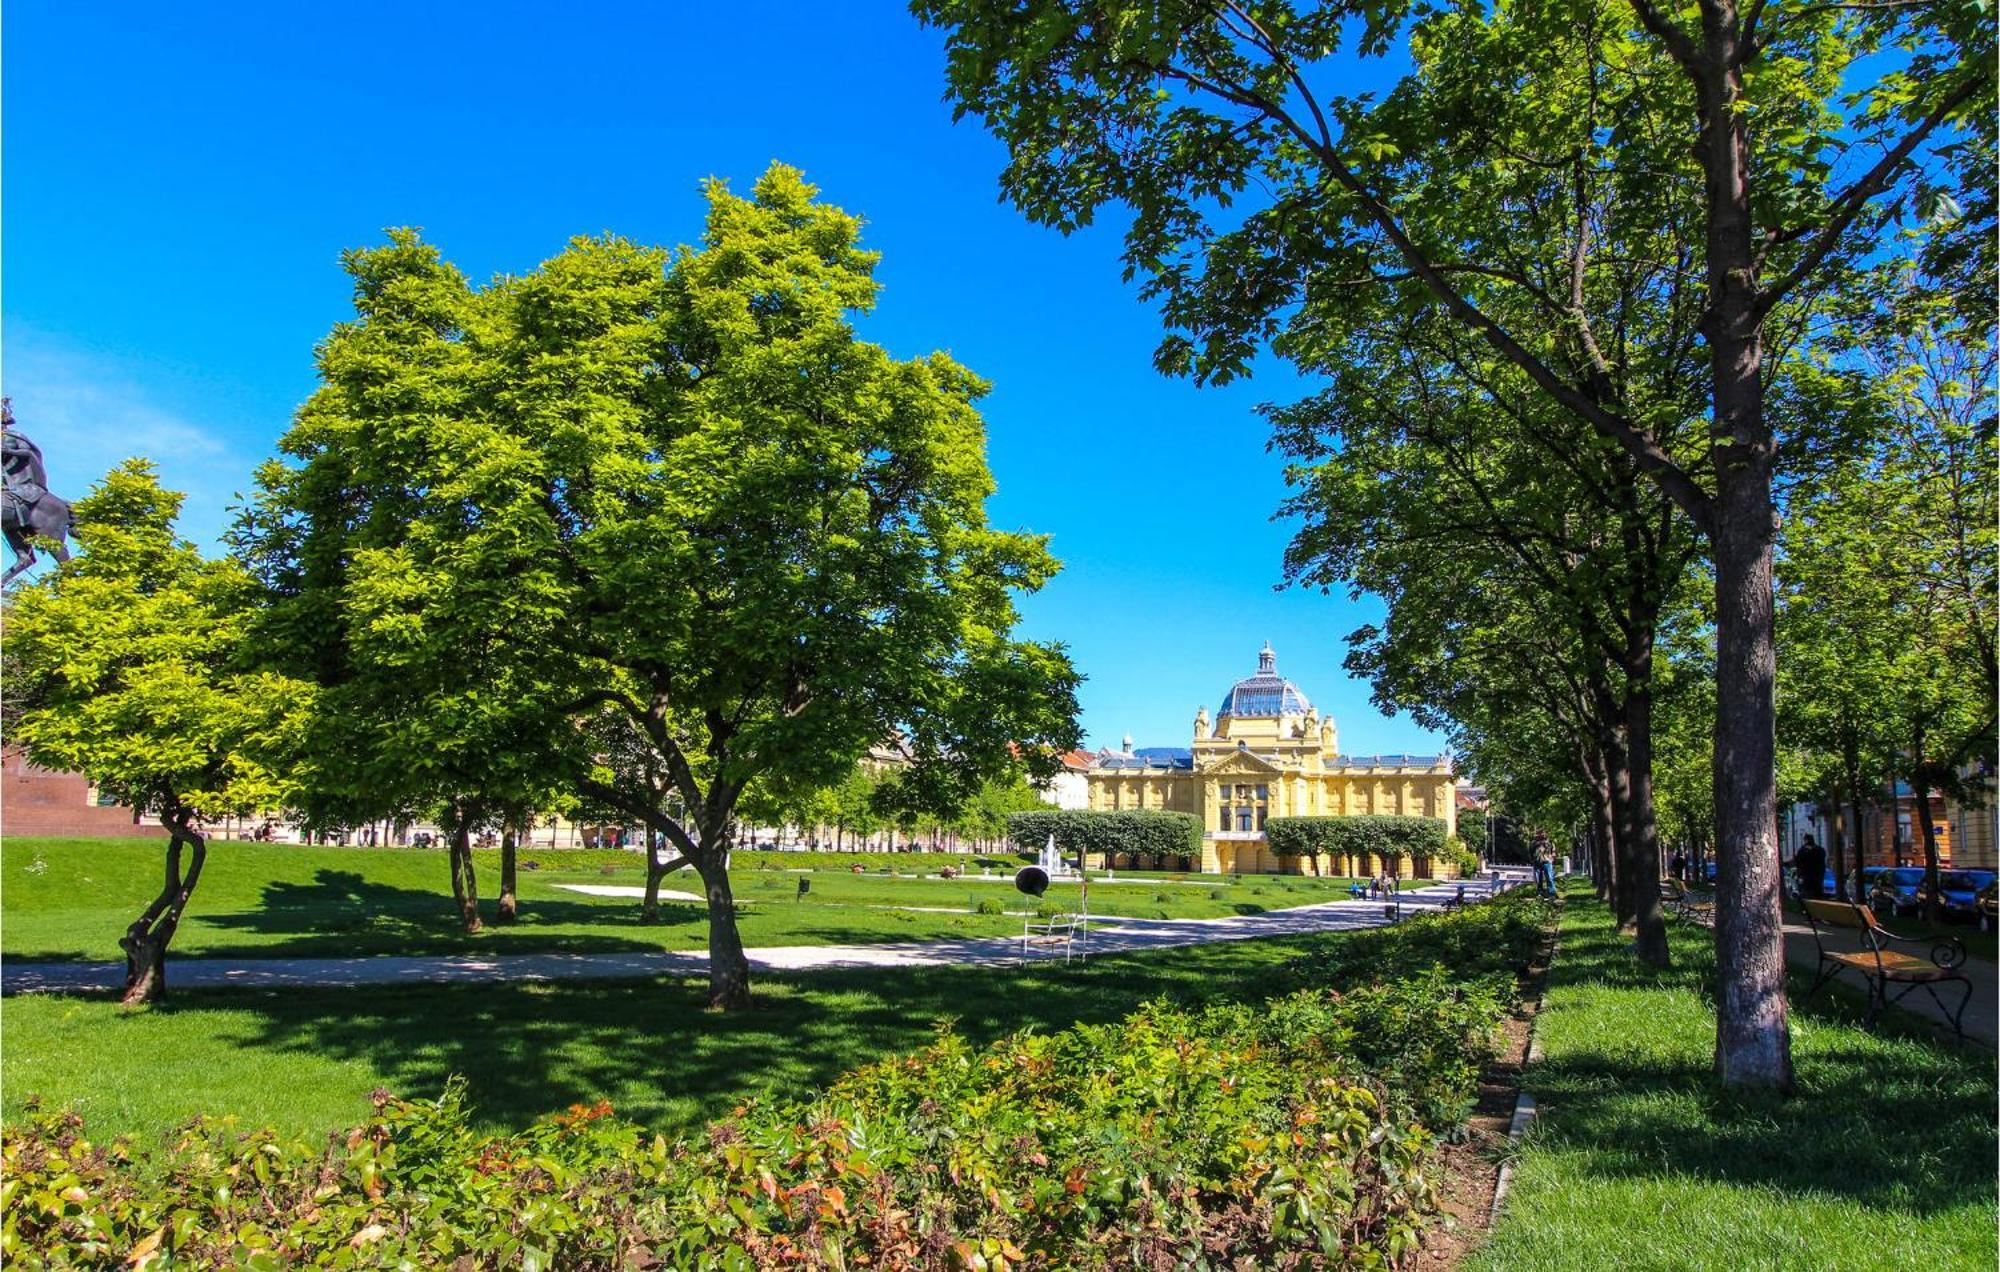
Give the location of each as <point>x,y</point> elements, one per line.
<point>1108,936</point>
<point>1980,1012</point>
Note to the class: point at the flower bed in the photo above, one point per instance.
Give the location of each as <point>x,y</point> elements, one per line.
<point>1292,1132</point>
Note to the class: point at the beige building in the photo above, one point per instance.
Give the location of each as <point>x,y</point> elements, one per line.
<point>1268,753</point>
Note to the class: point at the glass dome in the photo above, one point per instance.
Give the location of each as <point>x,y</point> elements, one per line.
<point>1266,694</point>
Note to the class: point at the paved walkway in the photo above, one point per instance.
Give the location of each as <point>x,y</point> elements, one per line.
<point>1107,936</point>
<point>1980,1012</point>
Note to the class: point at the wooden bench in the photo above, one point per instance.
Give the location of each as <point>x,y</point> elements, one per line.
<point>1066,932</point>
<point>1880,966</point>
<point>1687,904</point>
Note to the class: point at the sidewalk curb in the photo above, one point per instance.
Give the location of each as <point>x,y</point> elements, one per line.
<point>1524,1103</point>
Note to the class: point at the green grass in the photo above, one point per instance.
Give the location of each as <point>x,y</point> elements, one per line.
<point>71,899</point>
<point>305,1061</point>
<point>1639,1160</point>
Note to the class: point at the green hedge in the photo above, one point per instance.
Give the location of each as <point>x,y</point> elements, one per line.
<point>872,862</point>
<point>1357,843</point>
<point>1150,834</point>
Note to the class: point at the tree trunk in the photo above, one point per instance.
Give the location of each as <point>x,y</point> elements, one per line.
<point>145,942</point>
<point>728,969</point>
<point>1932,911</point>
<point>509,908</point>
<point>1618,788</point>
<point>1643,828</point>
<point>1753,1042</point>
<point>464,884</point>
<point>1600,827</point>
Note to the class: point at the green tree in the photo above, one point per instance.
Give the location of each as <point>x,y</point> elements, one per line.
<point>125,666</point>
<point>399,554</point>
<point>1542,171</point>
<point>752,541</point>
<point>1889,573</point>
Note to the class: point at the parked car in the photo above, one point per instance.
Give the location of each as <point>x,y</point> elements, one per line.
<point>1893,889</point>
<point>1958,892</point>
<point>1988,902</point>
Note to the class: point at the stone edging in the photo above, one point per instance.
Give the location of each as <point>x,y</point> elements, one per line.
<point>1524,1103</point>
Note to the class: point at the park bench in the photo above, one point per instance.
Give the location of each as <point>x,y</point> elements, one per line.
<point>1687,904</point>
<point>1065,932</point>
<point>1880,966</point>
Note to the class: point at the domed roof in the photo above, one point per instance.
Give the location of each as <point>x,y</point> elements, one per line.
<point>1266,694</point>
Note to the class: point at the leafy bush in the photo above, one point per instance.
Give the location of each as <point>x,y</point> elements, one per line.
<point>1363,843</point>
<point>991,905</point>
<point>1295,1132</point>
<point>1151,834</point>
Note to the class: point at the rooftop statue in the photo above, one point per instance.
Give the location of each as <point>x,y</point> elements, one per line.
<point>28,511</point>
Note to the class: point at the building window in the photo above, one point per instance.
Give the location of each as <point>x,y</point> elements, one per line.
<point>1263,794</point>
<point>1225,817</point>
<point>1260,818</point>
<point>1243,819</point>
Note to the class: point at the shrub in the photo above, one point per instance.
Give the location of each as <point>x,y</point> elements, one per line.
<point>991,905</point>
<point>1295,1132</point>
<point>1356,839</point>
<point>1160,1140</point>
<point>1151,833</point>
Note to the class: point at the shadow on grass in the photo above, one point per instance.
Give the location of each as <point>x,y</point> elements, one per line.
<point>341,913</point>
<point>1895,1120</point>
<point>653,1049</point>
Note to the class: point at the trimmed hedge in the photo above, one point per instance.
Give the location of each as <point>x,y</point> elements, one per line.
<point>1357,839</point>
<point>873,862</point>
<point>1145,833</point>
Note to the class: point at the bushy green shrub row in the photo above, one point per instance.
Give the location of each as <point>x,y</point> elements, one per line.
<point>1357,844</point>
<point>1151,836</point>
<point>1293,1132</point>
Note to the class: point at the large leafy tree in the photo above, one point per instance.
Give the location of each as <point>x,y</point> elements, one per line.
<point>401,563</point>
<point>125,666</point>
<point>762,540</point>
<point>1569,181</point>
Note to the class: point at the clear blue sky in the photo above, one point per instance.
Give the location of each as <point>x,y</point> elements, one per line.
<point>181,179</point>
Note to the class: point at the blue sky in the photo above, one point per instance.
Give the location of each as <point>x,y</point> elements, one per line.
<point>181,179</point>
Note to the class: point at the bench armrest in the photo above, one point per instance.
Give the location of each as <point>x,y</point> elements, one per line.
<point>1947,952</point>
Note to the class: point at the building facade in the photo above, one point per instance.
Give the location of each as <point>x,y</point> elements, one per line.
<point>1268,753</point>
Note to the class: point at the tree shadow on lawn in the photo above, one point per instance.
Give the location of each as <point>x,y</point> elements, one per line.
<point>1896,1120</point>
<point>343,914</point>
<point>652,1047</point>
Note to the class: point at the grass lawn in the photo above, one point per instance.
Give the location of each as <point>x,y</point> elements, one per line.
<point>1885,1158</point>
<point>305,1061</point>
<point>70,899</point>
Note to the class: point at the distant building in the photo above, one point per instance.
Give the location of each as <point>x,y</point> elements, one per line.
<point>39,801</point>
<point>1268,754</point>
<point>1070,787</point>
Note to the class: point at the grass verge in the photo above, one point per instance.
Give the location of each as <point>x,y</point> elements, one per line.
<point>1638,1159</point>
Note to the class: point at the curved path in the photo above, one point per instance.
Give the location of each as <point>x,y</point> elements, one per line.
<point>1111,936</point>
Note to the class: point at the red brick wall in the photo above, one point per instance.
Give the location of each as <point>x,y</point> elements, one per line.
<point>37,801</point>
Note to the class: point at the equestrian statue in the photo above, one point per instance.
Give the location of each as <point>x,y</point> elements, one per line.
<point>29,511</point>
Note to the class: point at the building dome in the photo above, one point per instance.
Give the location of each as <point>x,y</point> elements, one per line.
<point>1265,695</point>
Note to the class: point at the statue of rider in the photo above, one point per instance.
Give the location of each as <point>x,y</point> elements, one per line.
<point>21,462</point>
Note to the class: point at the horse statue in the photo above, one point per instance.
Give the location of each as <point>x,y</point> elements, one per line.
<point>27,510</point>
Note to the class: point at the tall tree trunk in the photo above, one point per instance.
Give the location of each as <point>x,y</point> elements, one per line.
<point>1836,833</point>
<point>728,968</point>
<point>509,908</point>
<point>1753,1043</point>
<point>1643,827</point>
<point>1626,882</point>
<point>1920,792</point>
<point>145,942</point>
<point>1600,825</point>
<point>464,884</point>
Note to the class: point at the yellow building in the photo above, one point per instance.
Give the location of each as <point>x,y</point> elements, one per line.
<point>1269,753</point>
